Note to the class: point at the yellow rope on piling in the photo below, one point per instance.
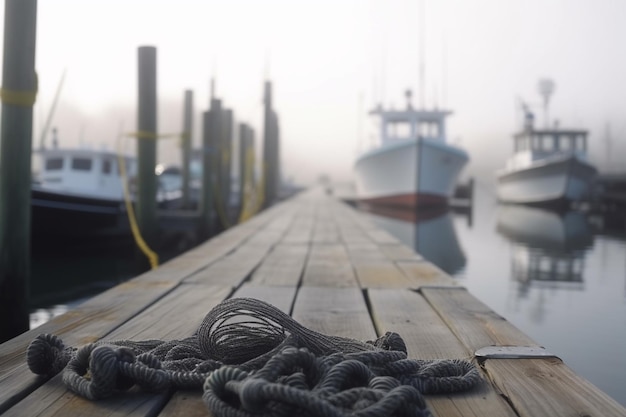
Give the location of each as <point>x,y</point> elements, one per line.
<point>20,98</point>
<point>152,256</point>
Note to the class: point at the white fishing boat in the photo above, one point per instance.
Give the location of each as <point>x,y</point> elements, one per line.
<point>78,192</point>
<point>412,165</point>
<point>549,166</point>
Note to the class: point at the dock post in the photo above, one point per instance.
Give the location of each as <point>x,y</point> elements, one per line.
<point>226,159</point>
<point>210,138</point>
<point>186,145</point>
<point>205,204</point>
<point>267,168</point>
<point>19,88</point>
<point>241,163</point>
<point>147,144</point>
<point>214,168</point>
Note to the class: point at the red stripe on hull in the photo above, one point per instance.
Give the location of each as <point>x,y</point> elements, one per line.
<point>407,200</point>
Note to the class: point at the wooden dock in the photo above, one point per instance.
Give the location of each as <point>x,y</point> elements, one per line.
<point>334,272</point>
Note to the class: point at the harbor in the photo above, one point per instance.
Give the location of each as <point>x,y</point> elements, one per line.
<point>330,282</point>
<point>252,245</point>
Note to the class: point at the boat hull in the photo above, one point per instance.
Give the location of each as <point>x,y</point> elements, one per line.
<point>548,183</point>
<point>410,173</point>
<point>57,214</point>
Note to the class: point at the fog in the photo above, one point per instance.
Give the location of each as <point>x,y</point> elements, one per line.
<point>333,60</point>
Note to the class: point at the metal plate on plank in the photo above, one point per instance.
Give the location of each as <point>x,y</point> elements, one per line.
<point>513,352</point>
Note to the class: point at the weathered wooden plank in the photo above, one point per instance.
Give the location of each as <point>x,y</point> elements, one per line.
<point>547,387</point>
<point>176,316</point>
<point>325,230</point>
<point>282,266</point>
<point>334,311</point>
<point>427,337</point>
<point>329,265</point>
<point>422,273</point>
<point>380,274</point>
<point>279,296</point>
<point>473,323</point>
<point>399,252</point>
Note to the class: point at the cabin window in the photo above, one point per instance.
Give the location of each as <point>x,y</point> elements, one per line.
<point>54,164</point>
<point>107,166</point>
<point>567,143</point>
<point>536,142</point>
<point>398,130</point>
<point>547,143</point>
<point>81,164</point>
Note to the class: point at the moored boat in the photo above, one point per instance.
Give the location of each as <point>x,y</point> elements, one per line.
<point>413,165</point>
<point>549,167</point>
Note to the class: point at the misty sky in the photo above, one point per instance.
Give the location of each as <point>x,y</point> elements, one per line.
<point>332,60</point>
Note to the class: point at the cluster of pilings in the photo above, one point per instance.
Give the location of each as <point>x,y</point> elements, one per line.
<point>19,87</point>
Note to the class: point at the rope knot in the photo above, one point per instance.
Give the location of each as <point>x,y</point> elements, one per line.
<point>47,355</point>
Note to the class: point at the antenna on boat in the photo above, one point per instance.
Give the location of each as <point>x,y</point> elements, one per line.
<point>408,94</point>
<point>421,63</point>
<point>546,88</point>
<point>46,127</point>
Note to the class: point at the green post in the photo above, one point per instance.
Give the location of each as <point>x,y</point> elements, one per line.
<point>243,135</point>
<point>147,145</point>
<point>186,145</point>
<point>19,86</point>
<point>226,158</point>
<point>206,203</point>
<point>270,169</point>
<point>215,136</point>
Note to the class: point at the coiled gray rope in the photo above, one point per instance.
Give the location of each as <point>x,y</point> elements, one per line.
<point>251,359</point>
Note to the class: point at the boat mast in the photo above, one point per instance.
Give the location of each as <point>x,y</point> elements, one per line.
<point>422,70</point>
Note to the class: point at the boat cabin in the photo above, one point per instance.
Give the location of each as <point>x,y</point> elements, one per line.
<point>531,145</point>
<point>93,173</point>
<point>411,123</point>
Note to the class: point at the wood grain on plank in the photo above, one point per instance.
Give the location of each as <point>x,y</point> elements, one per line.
<point>282,266</point>
<point>334,311</point>
<point>427,337</point>
<point>424,274</point>
<point>329,265</point>
<point>547,387</point>
<point>474,324</point>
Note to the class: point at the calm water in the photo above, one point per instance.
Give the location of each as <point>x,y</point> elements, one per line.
<point>556,277</point>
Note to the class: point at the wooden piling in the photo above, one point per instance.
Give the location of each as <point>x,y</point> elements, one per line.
<point>147,144</point>
<point>19,87</point>
<point>246,160</point>
<point>226,147</point>
<point>269,149</point>
<point>186,145</point>
<point>210,138</point>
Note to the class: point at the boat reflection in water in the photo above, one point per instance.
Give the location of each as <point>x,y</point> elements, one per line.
<point>429,231</point>
<point>548,247</point>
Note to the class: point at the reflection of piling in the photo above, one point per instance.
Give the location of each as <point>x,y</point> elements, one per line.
<point>146,144</point>
<point>186,146</point>
<point>271,160</point>
<point>19,86</point>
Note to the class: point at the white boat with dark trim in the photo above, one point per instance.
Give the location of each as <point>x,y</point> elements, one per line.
<point>78,192</point>
<point>548,167</point>
<point>413,165</point>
